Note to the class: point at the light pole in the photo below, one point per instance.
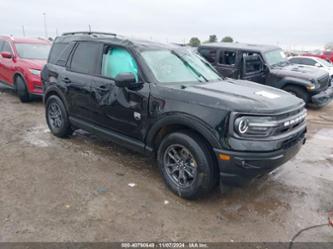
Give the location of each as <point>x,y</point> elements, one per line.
<point>45,27</point>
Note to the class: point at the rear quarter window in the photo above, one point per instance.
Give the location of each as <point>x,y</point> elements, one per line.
<point>60,53</point>
<point>85,57</point>
<point>208,54</point>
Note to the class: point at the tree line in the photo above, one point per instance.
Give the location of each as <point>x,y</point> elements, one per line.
<point>195,41</point>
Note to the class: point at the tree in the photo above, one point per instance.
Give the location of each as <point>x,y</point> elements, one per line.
<point>194,42</point>
<point>212,38</point>
<point>227,39</point>
<point>329,46</point>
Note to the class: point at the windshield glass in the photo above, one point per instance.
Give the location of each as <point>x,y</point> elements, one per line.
<point>275,57</point>
<point>33,51</point>
<point>169,66</point>
<point>324,63</point>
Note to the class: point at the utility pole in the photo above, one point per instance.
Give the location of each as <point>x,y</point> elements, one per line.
<point>89,28</point>
<point>57,33</point>
<point>23,30</point>
<point>45,27</point>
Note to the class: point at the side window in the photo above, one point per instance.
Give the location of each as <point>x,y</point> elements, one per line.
<point>208,54</point>
<point>60,53</point>
<point>1,45</point>
<point>84,58</point>
<point>6,47</point>
<point>252,63</point>
<point>227,58</point>
<point>116,61</point>
<point>295,60</point>
<point>308,62</point>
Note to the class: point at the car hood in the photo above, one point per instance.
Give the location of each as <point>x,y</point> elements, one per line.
<point>241,96</point>
<point>298,71</point>
<point>34,64</point>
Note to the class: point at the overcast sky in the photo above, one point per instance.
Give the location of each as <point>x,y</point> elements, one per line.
<point>288,23</point>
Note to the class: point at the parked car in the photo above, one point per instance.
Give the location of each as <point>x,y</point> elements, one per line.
<point>268,65</point>
<point>325,55</point>
<point>21,61</point>
<point>313,62</point>
<point>168,102</point>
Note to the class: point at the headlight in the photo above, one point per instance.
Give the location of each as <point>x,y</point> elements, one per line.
<point>311,87</point>
<point>253,126</point>
<point>34,71</point>
<point>263,126</point>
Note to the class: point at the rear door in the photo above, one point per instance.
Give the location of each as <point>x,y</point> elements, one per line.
<point>252,67</point>
<point>228,63</point>
<point>78,78</point>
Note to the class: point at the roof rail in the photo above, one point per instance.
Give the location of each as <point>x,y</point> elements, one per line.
<point>88,33</point>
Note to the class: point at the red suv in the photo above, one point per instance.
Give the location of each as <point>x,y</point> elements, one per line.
<point>21,61</point>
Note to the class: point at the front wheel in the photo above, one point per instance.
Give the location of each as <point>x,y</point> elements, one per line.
<point>57,118</point>
<point>187,165</point>
<point>22,90</point>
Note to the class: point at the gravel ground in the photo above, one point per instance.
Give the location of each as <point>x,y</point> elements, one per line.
<point>87,189</point>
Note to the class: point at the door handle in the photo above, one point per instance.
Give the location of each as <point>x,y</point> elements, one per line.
<point>67,80</point>
<point>102,87</point>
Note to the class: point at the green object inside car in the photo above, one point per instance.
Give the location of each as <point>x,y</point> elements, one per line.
<point>117,61</point>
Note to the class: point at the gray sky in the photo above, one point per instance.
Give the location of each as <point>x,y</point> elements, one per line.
<point>288,23</point>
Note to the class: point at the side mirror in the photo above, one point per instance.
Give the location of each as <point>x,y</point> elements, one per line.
<point>6,55</point>
<point>125,80</point>
<point>318,65</point>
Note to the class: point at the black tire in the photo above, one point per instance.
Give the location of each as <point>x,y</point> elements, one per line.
<point>298,92</point>
<point>22,90</point>
<point>57,117</point>
<point>203,168</point>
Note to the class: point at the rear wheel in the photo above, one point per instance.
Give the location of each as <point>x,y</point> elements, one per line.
<point>298,92</point>
<point>186,164</point>
<point>57,117</point>
<point>22,90</point>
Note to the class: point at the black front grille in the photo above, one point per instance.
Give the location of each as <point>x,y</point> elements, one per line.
<point>324,82</point>
<point>289,122</point>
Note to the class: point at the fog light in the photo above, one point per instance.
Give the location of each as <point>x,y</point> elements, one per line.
<point>224,157</point>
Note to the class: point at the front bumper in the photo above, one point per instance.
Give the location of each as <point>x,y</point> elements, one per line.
<point>323,98</point>
<point>244,166</point>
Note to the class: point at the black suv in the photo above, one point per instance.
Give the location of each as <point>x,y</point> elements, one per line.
<point>268,65</point>
<point>170,103</point>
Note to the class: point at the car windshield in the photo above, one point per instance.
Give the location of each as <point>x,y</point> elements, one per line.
<point>179,66</point>
<point>33,51</point>
<point>276,57</point>
<point>324,63</point>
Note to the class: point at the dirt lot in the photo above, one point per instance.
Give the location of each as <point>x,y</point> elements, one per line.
<point>86,189</point>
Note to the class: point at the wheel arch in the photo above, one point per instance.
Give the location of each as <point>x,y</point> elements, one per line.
<point>177,122</point>
<point>290,81</point>
<point>55,91</point>
<point>17,74</point>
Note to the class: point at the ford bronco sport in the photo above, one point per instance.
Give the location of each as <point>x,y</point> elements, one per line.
<point>268,65</point>
<point>170,103</point>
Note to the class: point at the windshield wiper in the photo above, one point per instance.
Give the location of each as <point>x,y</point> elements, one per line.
<point>187,64</point>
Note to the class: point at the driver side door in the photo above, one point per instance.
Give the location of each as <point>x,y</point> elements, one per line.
<point>124,110</point>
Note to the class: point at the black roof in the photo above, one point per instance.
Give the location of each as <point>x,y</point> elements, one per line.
<point>111,38</point>
<point>243,46</point>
